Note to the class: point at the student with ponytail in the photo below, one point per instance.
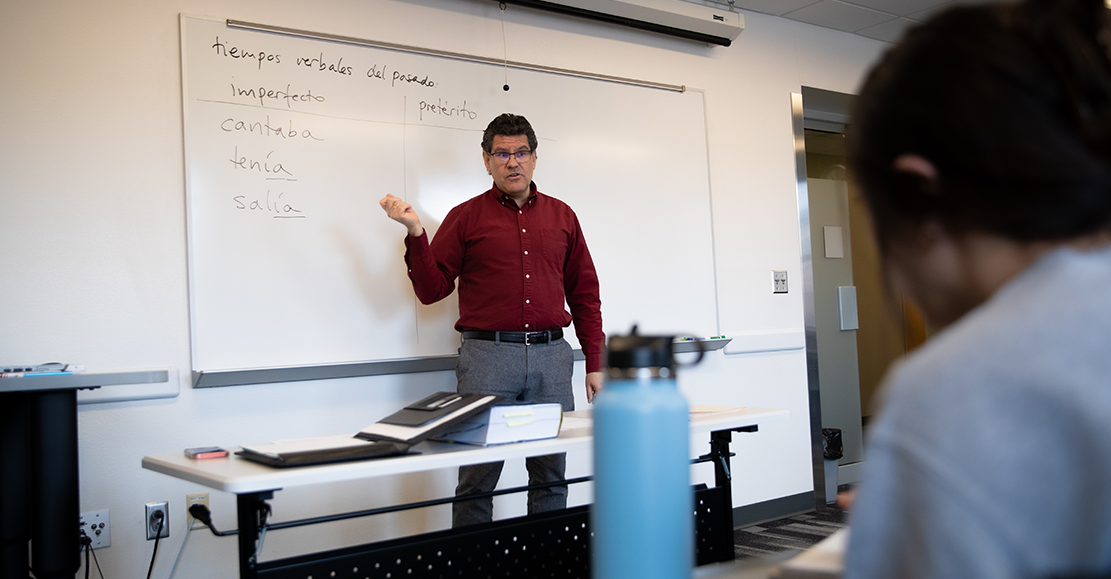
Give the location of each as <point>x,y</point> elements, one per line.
<point>981,145</point>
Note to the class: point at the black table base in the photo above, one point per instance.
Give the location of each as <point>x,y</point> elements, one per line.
<point>40,484</point>
<point>555,543</point>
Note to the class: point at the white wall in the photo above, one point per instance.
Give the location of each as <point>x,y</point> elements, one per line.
<point>93,248</point>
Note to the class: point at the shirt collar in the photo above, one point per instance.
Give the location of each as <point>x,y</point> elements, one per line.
<point>508,201</point>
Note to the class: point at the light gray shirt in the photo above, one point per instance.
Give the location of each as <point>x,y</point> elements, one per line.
<point>992,454</point>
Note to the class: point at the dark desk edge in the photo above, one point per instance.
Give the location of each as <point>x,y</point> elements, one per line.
<point>82,380</point>
<point>217,378</point>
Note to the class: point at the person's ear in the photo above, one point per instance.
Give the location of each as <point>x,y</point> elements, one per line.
<point>916,165</point>
<point>922,175</point>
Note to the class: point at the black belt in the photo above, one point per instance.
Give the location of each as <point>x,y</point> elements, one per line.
<point>526,338</point>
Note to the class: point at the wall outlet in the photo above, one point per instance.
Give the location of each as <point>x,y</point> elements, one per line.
<point>779,282</point>
<point>152,510</point>
<point>95,525</point>
<point>195,499</point>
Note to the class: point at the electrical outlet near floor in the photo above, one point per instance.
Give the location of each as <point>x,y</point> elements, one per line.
<point>95,525</point>
<point>153,526</point>
<point>195,499</point>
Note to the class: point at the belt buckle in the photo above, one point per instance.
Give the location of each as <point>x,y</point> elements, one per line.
<point>527,343</point>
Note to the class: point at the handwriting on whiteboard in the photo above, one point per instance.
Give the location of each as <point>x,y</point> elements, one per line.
<point>279,114</point>
<point>321,63</point>
<point>270,204</point>
<point>267,129</point>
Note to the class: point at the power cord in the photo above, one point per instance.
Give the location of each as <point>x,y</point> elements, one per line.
<point>87,546</point>
<point>86,542</point>
<point>202,514</point>
<point>157,537</point>
<point>188,529</point>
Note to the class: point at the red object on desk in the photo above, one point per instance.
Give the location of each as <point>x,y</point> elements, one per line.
<point>209,452</point>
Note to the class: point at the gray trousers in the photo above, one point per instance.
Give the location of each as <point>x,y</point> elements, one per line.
<point>534,373</point>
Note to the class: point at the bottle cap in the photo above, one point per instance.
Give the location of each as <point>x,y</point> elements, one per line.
<point>636,351</point>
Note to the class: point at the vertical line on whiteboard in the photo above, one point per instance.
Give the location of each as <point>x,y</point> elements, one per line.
<point>405,188</point>
<point>710,188</point>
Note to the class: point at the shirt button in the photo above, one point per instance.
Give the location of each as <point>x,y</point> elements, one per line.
<point>526,253</point>
<point>526,325</point>
<point>522,231</point>
<point>527,276</point>
<point>528,301</point>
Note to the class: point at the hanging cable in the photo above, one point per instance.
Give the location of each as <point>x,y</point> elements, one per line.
<point>157,537</point>
<point>188,529</point>
<point>504,51</point>
<point>87,547</point>
<point>97,563</point>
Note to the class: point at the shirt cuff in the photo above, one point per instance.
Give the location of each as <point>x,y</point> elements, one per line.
<point>418,243</point>
<point>593,361</point>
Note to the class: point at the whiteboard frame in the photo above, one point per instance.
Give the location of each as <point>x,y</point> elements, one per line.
<point>216,378</point>
<point>265,375</point>
<point>452,55</point>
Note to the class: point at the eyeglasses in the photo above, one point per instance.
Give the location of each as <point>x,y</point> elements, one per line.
<point>503,158</point>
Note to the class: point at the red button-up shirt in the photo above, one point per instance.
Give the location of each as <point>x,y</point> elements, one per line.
<point>516,266</point>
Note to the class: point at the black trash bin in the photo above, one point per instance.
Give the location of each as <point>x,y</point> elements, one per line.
<point>832,451</point>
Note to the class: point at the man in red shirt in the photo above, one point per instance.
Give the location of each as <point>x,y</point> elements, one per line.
<point>518,255</point>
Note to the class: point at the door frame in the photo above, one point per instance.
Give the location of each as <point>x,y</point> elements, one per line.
<point>828,111</point>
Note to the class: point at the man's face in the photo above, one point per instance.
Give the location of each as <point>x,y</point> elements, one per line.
<point>512,176</point>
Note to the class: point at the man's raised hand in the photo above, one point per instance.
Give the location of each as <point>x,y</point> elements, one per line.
<point>402,213</point>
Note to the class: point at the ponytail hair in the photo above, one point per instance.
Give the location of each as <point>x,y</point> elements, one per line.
<point>1012,105</point>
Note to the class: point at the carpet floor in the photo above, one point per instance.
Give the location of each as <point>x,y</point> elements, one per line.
<point>784,537</point>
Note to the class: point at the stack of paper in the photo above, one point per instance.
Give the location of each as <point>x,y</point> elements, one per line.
<point>506,423</point>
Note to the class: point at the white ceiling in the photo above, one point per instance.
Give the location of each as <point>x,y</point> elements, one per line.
<point>879,19</point>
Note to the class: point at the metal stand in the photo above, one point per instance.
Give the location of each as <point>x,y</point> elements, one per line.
<point>544,544</point>
<point>55,498</point>
<point>40,484</point>
<point>40,488</point>
<point>15,518</point>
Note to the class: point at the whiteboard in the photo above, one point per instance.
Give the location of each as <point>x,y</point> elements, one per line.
<point>290,143</point>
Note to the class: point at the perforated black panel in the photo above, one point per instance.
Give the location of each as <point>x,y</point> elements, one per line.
<point>548,545</point>
<point>555,544</point>
<point>713,527</point>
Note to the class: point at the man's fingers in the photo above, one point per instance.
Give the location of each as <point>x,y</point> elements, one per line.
<point>393,206</point>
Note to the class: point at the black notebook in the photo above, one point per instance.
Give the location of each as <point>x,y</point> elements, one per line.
<point>428,417</point>
<point>422,411</point>
<point>325,450</point>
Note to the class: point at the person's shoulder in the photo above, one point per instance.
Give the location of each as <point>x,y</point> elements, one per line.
<point>1038,336</point>
<point>554,203</point>
<point>474,203</point>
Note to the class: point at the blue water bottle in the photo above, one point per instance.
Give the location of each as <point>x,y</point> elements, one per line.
<point>643,513</point>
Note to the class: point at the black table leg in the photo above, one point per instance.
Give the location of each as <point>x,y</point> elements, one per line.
<point>55,498</point>
<point>723,478</point>
<point>252,511</point>
<point>719,453</point>
<point>15,522</point>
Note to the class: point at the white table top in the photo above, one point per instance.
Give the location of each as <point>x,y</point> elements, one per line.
<point>237,475</point>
